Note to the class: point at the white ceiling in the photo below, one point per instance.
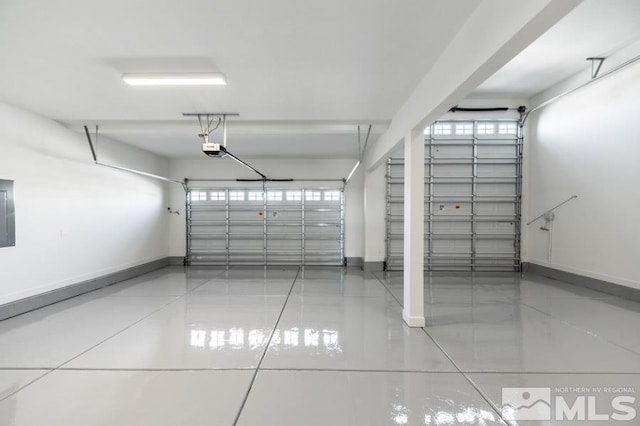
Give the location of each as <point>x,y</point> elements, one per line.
<point>595,28</point>
<point>302,75</point>
<point>340,61</point>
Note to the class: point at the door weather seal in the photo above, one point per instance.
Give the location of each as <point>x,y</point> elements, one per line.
<point>491,109</point>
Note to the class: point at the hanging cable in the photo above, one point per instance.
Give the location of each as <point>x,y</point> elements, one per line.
<point>360,153</point>
<point>126,169</point>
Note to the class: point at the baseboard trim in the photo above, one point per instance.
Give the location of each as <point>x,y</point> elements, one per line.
<point>355,261</point>
<point>413,321</point>
<point>31,303</point>
<point>602,286</point>
<point>373,266</point>
<point>176,260</point>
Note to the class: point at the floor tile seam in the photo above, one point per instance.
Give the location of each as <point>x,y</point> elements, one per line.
<point>26,368</point>
<point>27,384</point>
<point>153,369</point>
<point>477,389</point>
<point>598,336</point>
<point>56,367</point>
<point>345,296</point>
<point>266,349</point>
<point>175,299</point>
<point>463,371</point>
<point>474,372</point>
<point>381,282</point>
<point>350,370</point>
<point>117,296</point>
<point>486,397</point>
<point>49,370</point>
<point>291,268</point>
<point>552,373</point>
<point>467,378</point>
<point>205,282</point>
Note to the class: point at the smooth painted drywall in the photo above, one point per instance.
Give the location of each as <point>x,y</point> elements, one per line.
<point>375,202</point>
<point>75,220</point>
<point>296,168</point>
<point>587,144</point>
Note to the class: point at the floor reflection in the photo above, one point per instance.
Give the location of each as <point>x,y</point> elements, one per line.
<point>238,338</point>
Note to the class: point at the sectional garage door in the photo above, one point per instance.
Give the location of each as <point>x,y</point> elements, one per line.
<point>290,226</point>
<point>473,180</point>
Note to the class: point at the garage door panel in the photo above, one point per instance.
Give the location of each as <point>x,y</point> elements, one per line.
<point>332,218</point>
<point>448,189</point>
<point>443,152</point>
<point>450,227</point>
<point>496,227</point>
<point>496,209</point>
<point>462,247</point>
<point>206,230</point>
<point>497,151</point>
<point>452,170</point>
<point>276,215</point>
<point>496,170</point>
<point>276,226</point>
<point>495,246</point>
<point>472,197</point>
<point>206,245</point>
<point>283,244</point>
<point>246,215</point>
<point>500,189</point>
<point>396,209</point>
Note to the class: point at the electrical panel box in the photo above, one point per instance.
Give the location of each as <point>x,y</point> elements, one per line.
<point>7,214</point>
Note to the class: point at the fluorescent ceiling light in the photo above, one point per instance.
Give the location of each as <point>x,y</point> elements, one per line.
<point>175,79</point>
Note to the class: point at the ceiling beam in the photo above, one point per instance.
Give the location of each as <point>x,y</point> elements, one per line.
<point>235,126</point>
<point>495,32</point>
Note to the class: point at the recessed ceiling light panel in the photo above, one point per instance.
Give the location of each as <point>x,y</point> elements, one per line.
<point>175,79</point>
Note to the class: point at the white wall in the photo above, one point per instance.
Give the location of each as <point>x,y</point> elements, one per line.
<point>75,220</point>
<point>588,144</point>
<point>283,168</point>
<point>375,199</point>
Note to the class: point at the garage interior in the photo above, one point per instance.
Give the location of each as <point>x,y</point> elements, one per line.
<point>345,213</point>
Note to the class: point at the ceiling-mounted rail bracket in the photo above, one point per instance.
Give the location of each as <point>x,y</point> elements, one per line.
<point>207,120</point>
<point>596,64</point>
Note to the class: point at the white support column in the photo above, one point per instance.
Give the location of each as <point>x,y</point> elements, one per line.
<point>413,312</point>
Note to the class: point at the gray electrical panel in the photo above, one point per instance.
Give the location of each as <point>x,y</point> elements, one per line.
<point>7,214</point>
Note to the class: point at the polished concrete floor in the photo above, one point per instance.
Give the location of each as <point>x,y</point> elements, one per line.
<point>314,346</point>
